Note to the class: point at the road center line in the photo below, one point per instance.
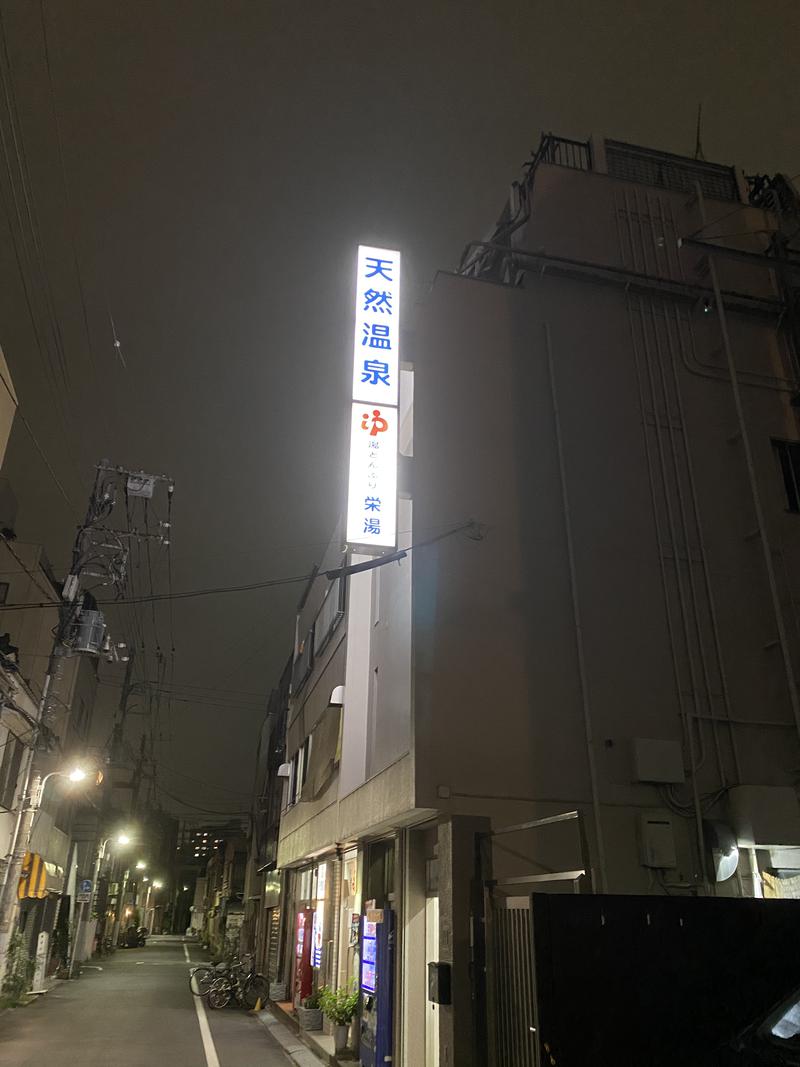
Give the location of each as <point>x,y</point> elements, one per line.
<point>212,1060</point>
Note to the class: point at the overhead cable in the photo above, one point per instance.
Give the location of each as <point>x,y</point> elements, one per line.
<point>477,533</point>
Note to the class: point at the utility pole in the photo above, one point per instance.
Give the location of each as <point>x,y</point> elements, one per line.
<point>101,553</point>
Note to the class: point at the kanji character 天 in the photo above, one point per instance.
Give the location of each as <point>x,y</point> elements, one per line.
<point>379,268</point>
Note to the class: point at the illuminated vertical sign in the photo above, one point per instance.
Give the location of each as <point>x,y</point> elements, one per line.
<point>318,925</point>
<point>372,487</point>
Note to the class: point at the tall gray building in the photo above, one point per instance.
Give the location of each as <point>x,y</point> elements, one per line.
<point>607,388</point>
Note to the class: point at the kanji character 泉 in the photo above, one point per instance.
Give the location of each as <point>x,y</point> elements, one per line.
<point>379,268</point>
<point>376,335</point>
<point>375,372</point>
<point>379,423</point>
<point>378,301</point>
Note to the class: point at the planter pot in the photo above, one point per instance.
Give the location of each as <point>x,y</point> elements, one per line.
<point>309,1018</point>
<point>340,1036</point>
<point>277,991</point>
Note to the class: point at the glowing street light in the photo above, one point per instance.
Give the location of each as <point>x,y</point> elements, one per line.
<point>158,885</point>
<point>77,774</point>
<point>141,865</point>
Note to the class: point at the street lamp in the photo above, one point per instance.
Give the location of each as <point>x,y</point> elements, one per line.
<point>141,865</point>
<point>76,774</point>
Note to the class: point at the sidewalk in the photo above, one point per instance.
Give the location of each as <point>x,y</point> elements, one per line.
<point>304,1048</point>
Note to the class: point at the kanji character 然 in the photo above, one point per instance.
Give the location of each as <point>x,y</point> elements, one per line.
<point>374,300</point>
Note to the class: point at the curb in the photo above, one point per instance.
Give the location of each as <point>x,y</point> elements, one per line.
<point>298,1052</point>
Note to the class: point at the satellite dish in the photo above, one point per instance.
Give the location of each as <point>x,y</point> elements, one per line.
<point>721,843</point>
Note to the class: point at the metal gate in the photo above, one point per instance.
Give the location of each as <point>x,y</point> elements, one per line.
<point>512,1003</point>
<point>512,1022</point>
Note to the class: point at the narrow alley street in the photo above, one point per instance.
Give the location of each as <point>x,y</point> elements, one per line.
<point>137,1010</point>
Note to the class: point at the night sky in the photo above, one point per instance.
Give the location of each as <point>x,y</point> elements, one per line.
<point>221,161</point>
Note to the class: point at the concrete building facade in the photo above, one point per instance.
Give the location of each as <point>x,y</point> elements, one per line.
<point>598,614</point>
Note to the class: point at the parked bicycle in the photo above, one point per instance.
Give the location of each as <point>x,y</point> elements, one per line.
<point>240,983</point>
<point>202,976</point>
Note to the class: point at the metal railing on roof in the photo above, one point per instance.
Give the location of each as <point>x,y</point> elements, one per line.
<point>558,151</point>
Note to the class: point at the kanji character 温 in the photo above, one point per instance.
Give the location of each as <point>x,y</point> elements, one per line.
<point>376,335</point>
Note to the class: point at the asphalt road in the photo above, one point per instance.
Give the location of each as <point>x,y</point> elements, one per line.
<point>137,1012</point>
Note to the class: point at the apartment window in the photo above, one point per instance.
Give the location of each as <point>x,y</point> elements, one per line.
<point>305,755</point>
<point>788,456</point>
<point>9,769</point>
<point>304,662</point>
<point>299,771</point>
<point>294,780</point>
<point>3,592</point>
<point>330,615</point>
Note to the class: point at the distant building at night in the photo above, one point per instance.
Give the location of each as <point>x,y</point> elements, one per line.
<point>608,387</point>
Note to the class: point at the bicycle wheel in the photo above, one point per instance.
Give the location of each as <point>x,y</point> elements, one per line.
<point>255,988</point>
<point>220,993</point>
<point>200,979</point>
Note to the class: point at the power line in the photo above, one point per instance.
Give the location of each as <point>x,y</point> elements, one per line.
<point>196,807</point>
<point>268,583</point>
<point>728,214</point>
<point>46,592</point>
<point>201,781</point>
<point>71,216</point>
<point>250,587</point>
<point>39,449</point>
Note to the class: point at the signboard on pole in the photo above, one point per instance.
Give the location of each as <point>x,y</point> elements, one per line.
<point>84,893</point>
<point>372,486</point>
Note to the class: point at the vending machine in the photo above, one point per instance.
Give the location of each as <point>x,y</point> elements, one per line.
<point>377,987</point>
<point>302,955</point>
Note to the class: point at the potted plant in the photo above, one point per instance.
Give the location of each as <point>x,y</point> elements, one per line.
<point>309,1015</point>
<point>339,1005</point>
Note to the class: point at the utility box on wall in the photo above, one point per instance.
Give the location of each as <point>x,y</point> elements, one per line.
<point>655,760</point>
<point>657,839</point>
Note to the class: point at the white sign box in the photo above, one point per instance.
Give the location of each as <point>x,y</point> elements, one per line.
<point>376,346</point>
<point>372,493</point>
